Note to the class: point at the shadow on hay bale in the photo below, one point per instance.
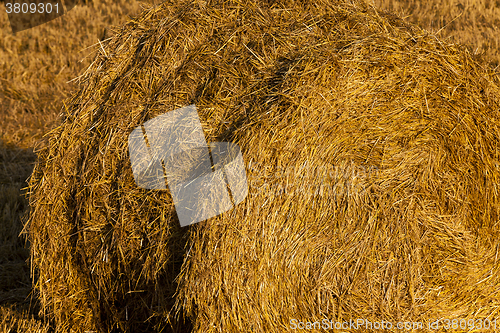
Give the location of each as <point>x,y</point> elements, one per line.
<point>372,163</point>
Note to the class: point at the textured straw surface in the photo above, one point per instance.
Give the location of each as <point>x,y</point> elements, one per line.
<point>372,161</point>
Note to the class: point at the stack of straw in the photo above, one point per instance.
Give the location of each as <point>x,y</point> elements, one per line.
<point>371,152</point>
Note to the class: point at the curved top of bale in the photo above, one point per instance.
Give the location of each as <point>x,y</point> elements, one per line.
<point>319,85</point>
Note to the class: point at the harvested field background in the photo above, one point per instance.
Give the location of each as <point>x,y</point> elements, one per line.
<point>36,65</point>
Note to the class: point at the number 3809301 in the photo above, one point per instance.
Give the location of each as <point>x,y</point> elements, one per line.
<point>31,8</point>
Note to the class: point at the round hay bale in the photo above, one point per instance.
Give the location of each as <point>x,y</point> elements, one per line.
<point>371,153</point>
